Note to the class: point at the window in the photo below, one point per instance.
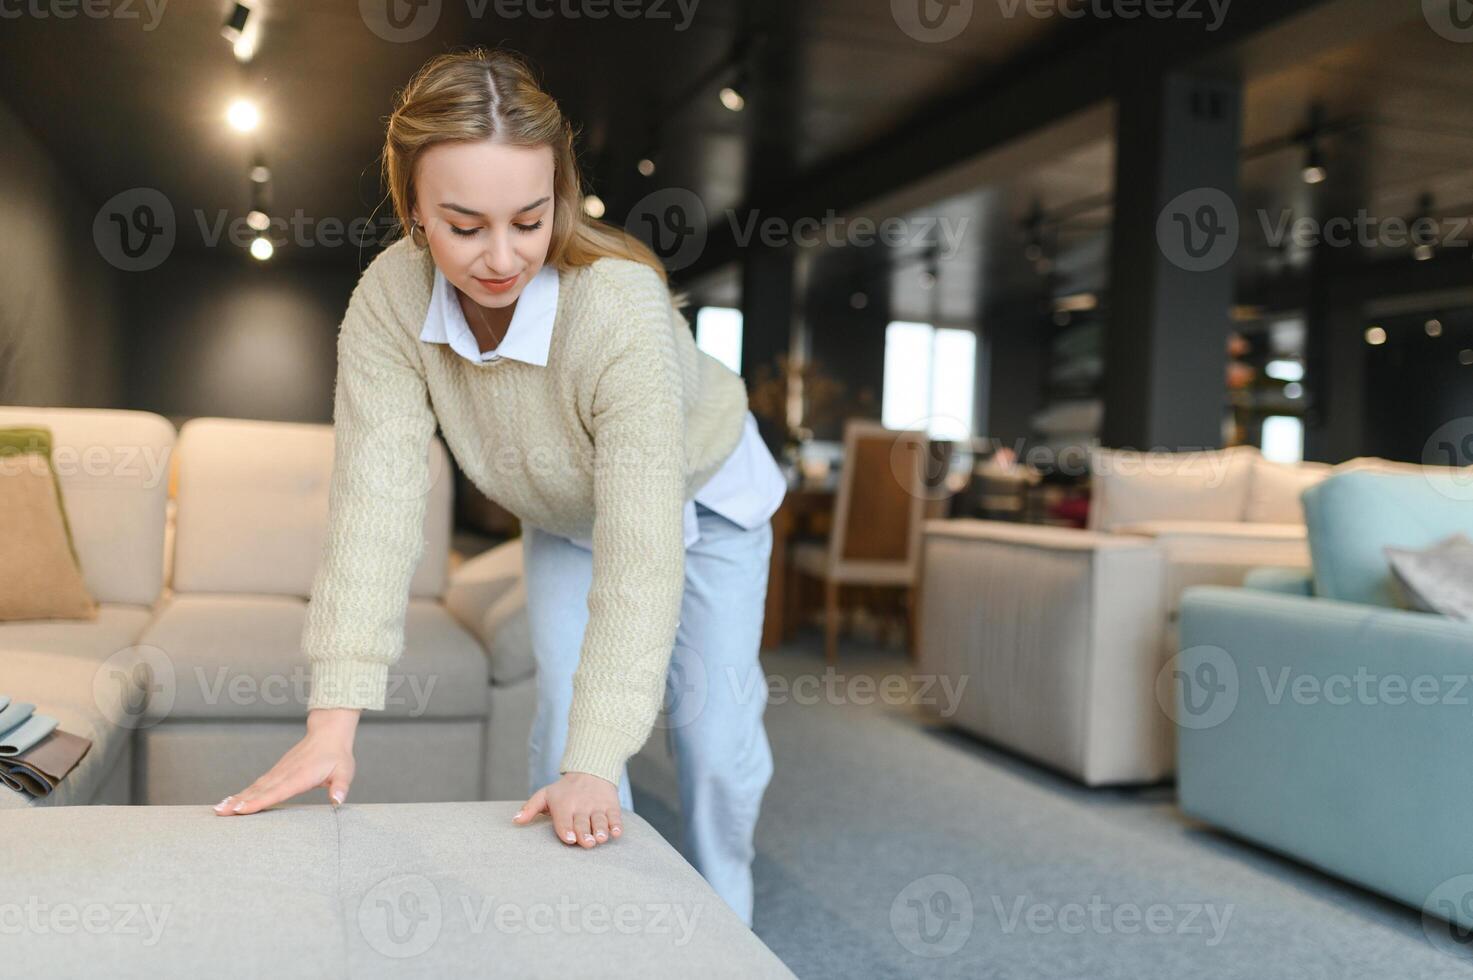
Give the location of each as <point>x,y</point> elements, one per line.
<point>1283,439</point>
<point>929,375</point>
<point>719,333</point>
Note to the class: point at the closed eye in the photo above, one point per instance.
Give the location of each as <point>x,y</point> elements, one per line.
<point>468,232</point>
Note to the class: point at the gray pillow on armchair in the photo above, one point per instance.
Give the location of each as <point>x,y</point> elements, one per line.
<point>1438,579</point>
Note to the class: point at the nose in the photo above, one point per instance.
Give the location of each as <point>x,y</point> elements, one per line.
<point>500,257</point>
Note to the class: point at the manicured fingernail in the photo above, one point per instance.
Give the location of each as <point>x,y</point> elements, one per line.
<point>617,830</point>
<point>570,838</point>
<point>601,835</point>
<point>236,808</point>
<point>337,797</point>
<point>588,837</point>
<point>518,815</point>
<point>221,804</point>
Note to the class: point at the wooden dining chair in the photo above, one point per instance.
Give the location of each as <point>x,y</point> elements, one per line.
<point>878,515</point>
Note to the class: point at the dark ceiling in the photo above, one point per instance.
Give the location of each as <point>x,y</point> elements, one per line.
<point>123,103</point>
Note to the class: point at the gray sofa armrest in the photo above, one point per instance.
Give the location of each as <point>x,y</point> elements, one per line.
<point>486,596</point>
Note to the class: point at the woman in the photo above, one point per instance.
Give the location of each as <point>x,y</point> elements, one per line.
<point>549,351</point>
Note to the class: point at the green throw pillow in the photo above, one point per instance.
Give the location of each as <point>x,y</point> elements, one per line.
<point>37,439</point>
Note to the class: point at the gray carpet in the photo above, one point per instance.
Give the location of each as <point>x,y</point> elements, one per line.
<point>869,801</point>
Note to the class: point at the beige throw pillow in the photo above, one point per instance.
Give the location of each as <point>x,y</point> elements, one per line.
<point>39,578</point>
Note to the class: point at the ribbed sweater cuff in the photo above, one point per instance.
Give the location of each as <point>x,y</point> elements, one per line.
<point>349,683</point>
<point>597,749</point>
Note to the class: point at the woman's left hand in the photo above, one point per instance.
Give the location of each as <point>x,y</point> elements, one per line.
<point>584,809</point>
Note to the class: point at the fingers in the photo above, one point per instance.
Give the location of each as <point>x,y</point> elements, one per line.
<point>583,827</point>
<point>600,827</point>
<point>264,792</point>
<point>535,805</point>
<point>337,788</point>
<point>562,825</point>
<point>616,821</point>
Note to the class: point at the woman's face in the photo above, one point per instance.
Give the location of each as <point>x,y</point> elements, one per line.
<point>487,211</point>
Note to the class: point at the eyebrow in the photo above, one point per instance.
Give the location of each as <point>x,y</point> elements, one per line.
<point>461,208</point>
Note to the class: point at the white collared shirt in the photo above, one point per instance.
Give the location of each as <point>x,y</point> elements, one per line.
<point>747,489</point>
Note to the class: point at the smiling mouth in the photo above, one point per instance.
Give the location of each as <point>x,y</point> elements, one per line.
<point>494,282</point>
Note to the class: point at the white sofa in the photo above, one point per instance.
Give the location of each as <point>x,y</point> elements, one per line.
<point>1061,633</point>
<point>200,682</point>
<point>113,467</point>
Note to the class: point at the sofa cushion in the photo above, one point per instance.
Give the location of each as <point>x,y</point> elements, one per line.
<point>1354,516</point>
<point>1274,490</point>
<point>240,657</point>
<point>39,576</point>
<point>113,467</point>
<point>97,700</point>
<point>253,507</point>
<point>115,628</point>
<point>365,891</point>
<point>1129,486</point>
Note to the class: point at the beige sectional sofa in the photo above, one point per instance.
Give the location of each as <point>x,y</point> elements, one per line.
<point>1060,634</point>
<point>113,470</point>
<point>193,686</point>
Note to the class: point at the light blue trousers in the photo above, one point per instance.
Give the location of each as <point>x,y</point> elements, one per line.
<point>715,691</point>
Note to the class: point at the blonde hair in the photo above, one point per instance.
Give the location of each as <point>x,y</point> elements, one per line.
<point>482,93</point>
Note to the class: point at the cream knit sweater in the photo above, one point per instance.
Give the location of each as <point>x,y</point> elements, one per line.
<point>608,441</point>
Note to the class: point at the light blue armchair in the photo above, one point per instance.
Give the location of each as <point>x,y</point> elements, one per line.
<point>1320,721</point>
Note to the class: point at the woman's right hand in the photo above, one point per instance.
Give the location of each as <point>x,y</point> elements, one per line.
<point>324,757</point>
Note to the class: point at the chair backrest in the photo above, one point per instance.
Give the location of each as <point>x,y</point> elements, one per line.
<point>113,468</point>
<point>252,508</point>
<point>882,498</point>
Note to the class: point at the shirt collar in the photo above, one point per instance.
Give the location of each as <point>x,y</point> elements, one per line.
<point>528,337</point>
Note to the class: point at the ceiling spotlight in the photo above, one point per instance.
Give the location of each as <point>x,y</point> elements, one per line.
<point>1314,171</point>
<point>593,206</point>
<point>262,249</point>
<point>1293,390</point>
<point>1375,336</point>
<point>1314,166</point>
<point>258,221</point>
<point>1433,327</point>
<point>1422,249</point>
<point>734,95</point>
<point>646,167</point>
<point>1465,356</point>
<point>732,98</point>
<point>243,115</point>
<point>858,301</point>
<point>235,22</point>
<point>260,173</point>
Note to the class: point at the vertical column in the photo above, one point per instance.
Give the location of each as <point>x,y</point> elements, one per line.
<point>1173,241</point>
<point>1335,362</point>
